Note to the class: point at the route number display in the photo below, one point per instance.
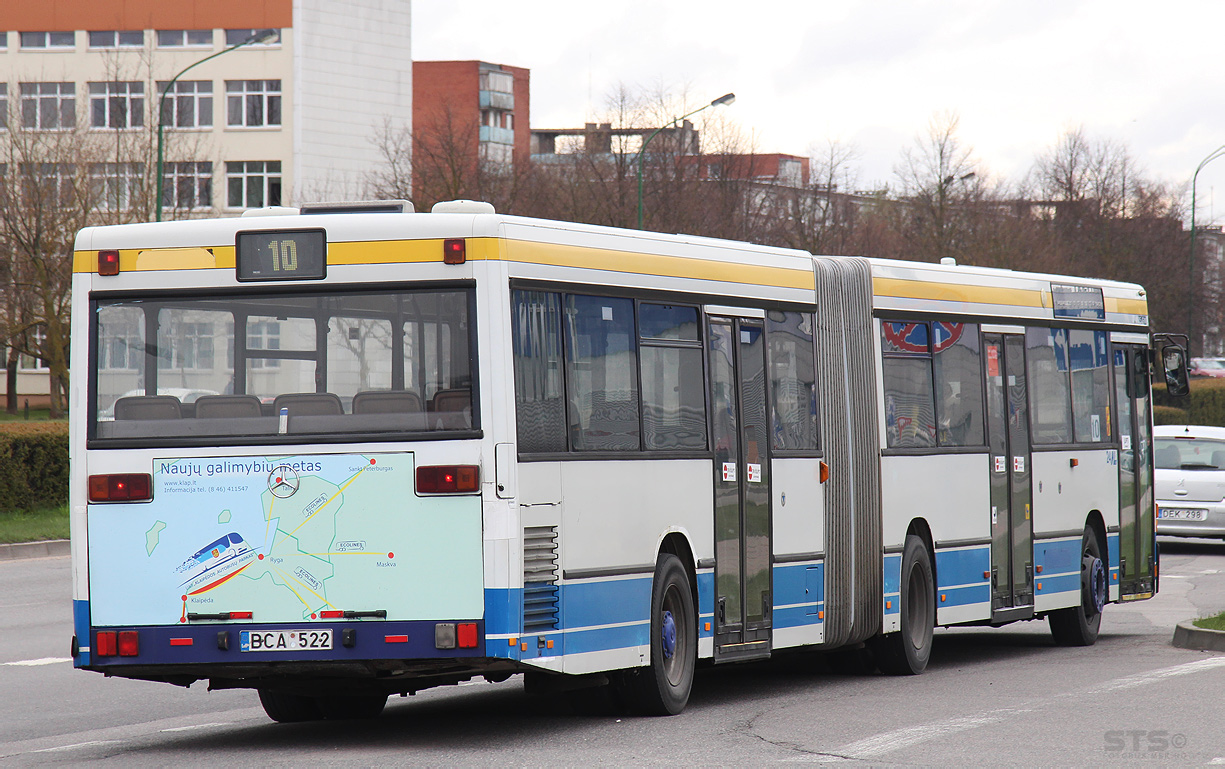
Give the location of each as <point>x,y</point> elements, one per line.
<point>281,255</point>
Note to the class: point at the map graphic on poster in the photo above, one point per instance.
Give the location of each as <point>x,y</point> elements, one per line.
<point>285,538</point>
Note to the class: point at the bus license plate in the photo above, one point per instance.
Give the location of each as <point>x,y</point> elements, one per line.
<point>1182,514</point>
<point>284,640</point>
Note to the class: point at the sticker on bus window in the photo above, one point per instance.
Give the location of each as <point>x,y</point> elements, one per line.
<point>729,471</point>
<point>1018,464</point>
<point>1000,465</point>
<point>754,473</point>
<point>993,360</point>
<point>1095,427</point>
<point>1127,443</point>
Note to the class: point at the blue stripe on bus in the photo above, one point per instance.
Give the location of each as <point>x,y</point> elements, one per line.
<point>962,567</point>
<point>800,588</point>
<point>584,604</point>
<point>1060,557</point>
<point>963,596</point>
<point>1061,584</point>
<point>893,583</point>
<point>80,626</point>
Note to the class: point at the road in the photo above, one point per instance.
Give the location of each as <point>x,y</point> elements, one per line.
<point>990,696</point>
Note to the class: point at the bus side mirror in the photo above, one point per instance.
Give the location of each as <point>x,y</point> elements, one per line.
<point>1174,363</point>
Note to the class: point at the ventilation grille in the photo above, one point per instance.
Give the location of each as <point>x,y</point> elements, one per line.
<point>540,607</point>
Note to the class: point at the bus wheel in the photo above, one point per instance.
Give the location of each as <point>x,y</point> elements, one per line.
<point>338,707</point>
<point>1078,625</point>
<point>662,688</point>
<point>906,652</point>
<point>286,708</point>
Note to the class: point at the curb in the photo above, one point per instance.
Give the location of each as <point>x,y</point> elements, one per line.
<point>1188,636</point>
<point>54,547</point>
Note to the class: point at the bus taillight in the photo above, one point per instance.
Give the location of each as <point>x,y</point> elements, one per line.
<point>126,487</point>
<point>129,643</point>
<point>108,263</point>
<point>105,644</point>
<point>448,479</point>
<point>454,251</point>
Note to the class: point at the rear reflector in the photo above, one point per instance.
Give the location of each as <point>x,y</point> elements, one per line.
<point>128,487</point>
<point>467,635</point>
<point>448,479</point>
<point>454,251</point>
<point>108,263</point>
<point>180,641</point>
<point>129,643</point>
<point>106,644</point>
<point>332,614</point>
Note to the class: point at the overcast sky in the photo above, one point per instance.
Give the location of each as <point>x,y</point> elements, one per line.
<point>873,73</point>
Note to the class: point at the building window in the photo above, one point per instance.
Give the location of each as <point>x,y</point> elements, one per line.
<point>187,186</point>
<point>4,44</point>
<point>47,106</point>
<point>188,105</point>
<point>183,38</point>
<point>253,103</point>
<point>115,185</point>
<point>49,40</point>
<point>4,104</point>
<point>117,104</point>
<point>134,38</point>
<point>35,341</point>
<point>50,184</point>
<point>253,184</point>
<point>236,36</point>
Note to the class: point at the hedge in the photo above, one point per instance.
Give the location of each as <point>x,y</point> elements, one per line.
<point>33,465</point>
<point>1205,405</point>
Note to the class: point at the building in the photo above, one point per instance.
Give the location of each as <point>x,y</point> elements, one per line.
<point>292,115</point>
<point>471,114</point>
<point>290,119</point>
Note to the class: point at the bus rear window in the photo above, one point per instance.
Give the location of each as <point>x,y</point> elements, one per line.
<point>282,367</point>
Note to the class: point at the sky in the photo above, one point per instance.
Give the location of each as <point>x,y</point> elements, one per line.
<point>872,74</point>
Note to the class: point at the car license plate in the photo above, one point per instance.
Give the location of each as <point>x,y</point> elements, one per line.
<point>1182,514</point>
<point>284,640</point>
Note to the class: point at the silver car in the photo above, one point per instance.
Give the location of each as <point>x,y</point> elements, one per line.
<point>1190,480</point>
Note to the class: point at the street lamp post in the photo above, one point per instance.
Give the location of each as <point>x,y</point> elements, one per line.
<point>260,36</point>
<point>1216,153</point>
<point>725,99</point>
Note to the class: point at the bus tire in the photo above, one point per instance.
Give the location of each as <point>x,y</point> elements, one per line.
<point>906,652</point>
<point>1078,625</point>
<point>662,688</point>
<point>341,707</point>
<point>286,708</point>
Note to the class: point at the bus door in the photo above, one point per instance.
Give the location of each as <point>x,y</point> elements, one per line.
<point>1135,472</point>
<point>742,488</point>
<point>1012,526</point>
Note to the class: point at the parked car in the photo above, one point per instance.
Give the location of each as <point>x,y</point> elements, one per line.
<point>1190,480</point>
<point>1209,367</point>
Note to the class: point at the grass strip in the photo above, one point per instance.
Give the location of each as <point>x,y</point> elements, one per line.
<point>34,525</point>
<point>1211,623</point>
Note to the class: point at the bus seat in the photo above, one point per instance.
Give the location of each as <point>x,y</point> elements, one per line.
<point>309,404</point>
<point>227,406</point>
<point>386,402</point>
<point>452,400</point>
<point>148,407</point>
<point>1169,458</point>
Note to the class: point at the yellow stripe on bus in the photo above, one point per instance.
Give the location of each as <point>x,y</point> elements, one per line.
<point>150,259</point>
<point>658,265</point>
<point>949,292</point>
<point>1127,306</point>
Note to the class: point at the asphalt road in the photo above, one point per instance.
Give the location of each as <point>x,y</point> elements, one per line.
<point>990,696</point>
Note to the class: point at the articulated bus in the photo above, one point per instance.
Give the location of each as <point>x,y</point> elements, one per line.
<point>341,452</point>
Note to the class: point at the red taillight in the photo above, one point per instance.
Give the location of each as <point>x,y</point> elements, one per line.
<point>332,614</point>
<point>241,615</point>
<point>129,643</point>
<point>108,262</point>
<point>454,251</point>
<point>448,479</point>
<point>466,635</point>
<point>126,487</point>
<point>105,644</point>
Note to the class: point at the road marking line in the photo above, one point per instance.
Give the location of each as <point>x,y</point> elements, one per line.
<point>197,726</point>
<point>40,661</point>
<point>888,742</point>
<point>75,746</point>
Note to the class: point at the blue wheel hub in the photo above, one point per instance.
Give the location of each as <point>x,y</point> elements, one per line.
<point>1094,587</point>
<point>668,635</point>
